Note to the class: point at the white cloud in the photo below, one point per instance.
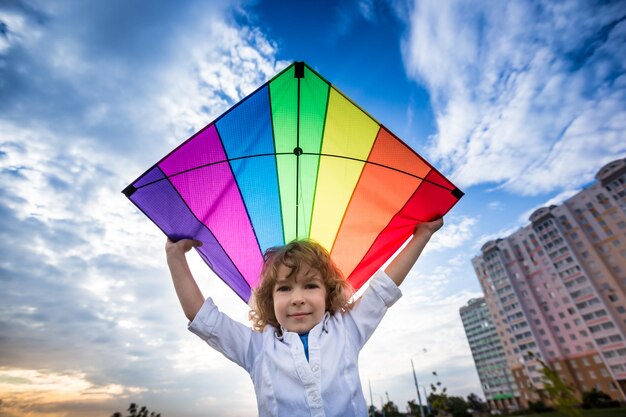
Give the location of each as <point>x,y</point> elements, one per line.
<point>92,266</point>
<point>455,232</point>
<point>426,317</point>
<point>502,233</point>
<point>15,30</point>
<point>216,75</point>
<point>367,9</point>
<point>522,220</point>
<point>420,320</point>
<point>40,392</point>
<point>494,205</point>
<point>530,97</point>
<point>556,200</point>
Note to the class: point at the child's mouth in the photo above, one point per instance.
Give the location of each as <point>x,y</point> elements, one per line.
<point>299,315</point>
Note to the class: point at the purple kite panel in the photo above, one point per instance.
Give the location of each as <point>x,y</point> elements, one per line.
<point>163,205</point>
<point>212,194</point>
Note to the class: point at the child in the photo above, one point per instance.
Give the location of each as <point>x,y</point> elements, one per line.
<point>302,355</point>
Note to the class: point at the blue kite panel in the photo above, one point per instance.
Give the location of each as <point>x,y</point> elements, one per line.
<point>246,130</point>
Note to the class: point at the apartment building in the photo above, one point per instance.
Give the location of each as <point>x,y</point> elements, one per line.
<point>491,363</point>
<point>556,290</point>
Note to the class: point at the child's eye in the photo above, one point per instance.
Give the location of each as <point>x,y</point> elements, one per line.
<point>312,285</point>
<point>282,288</point>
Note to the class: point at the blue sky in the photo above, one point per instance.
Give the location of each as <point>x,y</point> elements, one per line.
<point>519,103</point>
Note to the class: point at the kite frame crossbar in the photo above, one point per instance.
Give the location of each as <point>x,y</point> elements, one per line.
<point>455,191</point>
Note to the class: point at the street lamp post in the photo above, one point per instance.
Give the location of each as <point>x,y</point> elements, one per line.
<point>371,397</point>
<point>426,399</point>
<point>419,397</point>
<point>382,406</point>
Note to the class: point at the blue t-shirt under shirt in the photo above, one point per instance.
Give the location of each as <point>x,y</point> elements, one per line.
<point>305,342</point>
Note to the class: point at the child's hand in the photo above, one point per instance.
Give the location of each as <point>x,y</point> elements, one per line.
<point>428,228</point>
<point>181,247</point>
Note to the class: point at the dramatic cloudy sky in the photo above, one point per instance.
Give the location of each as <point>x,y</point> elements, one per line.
<point>519,102</point>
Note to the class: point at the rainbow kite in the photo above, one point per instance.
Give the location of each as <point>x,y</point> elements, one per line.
<point>295,159</point>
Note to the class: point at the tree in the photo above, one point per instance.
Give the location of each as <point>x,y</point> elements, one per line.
<point>390,409</point>
<point>133,411</point>
<point>413,408</point>
<point>437,397</point>
<point>457,407</point>
<point>442,404</point>
<point>561,395</point>
<point>437,402</point>
<point>475,403</point>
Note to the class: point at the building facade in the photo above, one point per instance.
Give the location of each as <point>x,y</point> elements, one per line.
<point>491,363</point>
<point>556,290</point>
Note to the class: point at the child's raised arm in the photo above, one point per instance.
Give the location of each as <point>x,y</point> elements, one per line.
<point>189,295</point>
<point>402,264</point>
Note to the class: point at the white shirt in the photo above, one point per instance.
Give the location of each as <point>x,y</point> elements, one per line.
<point>285,383</point>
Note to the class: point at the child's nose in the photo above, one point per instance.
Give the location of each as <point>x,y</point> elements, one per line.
<point>297,297</point>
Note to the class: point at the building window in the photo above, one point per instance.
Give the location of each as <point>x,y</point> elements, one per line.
<point>610,354</point>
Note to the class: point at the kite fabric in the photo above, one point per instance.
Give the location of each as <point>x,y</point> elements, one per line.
<point>295,159</point>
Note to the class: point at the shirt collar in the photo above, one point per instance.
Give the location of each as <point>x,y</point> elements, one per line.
<point>320,327</point>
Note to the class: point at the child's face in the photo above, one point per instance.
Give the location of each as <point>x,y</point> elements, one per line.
<point>299,300</point>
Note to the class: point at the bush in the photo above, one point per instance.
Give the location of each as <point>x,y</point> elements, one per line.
<point>598,399</point>
<point>135,411</point>
<point>538,407</point>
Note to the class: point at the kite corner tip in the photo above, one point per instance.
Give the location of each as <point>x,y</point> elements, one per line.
<point>457,193</point>
<point>130,190</point>
<point>299,69</point>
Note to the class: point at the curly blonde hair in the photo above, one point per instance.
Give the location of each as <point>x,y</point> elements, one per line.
<point>294,255</point>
